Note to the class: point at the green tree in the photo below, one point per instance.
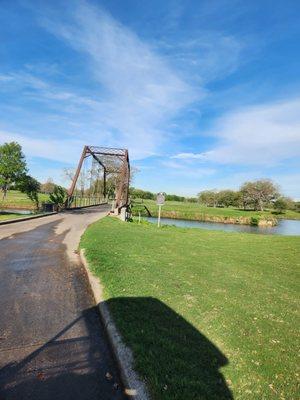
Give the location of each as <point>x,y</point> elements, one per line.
<point>258,194</point>
<point>290,203</point>
<point>48,186</point>
<point>141,194</point>
<point>30,186</point>
<point>208,197</point>
<point>174,197</point>
<point>228,198</point>
<point>58,197</point>
<point>12,165</point>
<point>280,205</point>
<point>191,199</point>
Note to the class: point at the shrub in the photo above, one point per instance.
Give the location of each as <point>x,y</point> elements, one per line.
<point>58,197</point>
<point>254,221</point>
<point>280,205</point>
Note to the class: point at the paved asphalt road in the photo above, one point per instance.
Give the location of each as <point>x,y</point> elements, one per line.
<point>52,344</point>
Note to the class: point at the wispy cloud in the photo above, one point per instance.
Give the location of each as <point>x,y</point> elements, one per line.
<point>189,156</point>
<point>140,92</point>
<point>138,89</point>
<point>266,135</point>
<point>187,170</point>
<point>207,55</point>
<point>55,149</point>
<point>176,82</point>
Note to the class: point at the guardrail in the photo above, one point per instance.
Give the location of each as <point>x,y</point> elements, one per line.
<point>85,201</point>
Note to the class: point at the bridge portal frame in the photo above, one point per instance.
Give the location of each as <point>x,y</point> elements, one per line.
<point>113,161</point>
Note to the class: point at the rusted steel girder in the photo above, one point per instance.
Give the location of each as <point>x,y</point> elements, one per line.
<point>123,189</point>
<point>74,181</point>
<point>113,161</point>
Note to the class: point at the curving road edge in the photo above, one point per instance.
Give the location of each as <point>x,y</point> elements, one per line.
<point>135,388</point>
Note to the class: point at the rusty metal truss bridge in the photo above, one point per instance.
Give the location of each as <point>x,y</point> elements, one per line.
<point>102,175</point>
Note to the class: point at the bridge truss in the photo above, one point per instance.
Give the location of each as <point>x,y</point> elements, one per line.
<point>102,174</point>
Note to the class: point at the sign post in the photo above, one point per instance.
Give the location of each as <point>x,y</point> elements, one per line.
<point>159,212</point>
<point>160,201</point>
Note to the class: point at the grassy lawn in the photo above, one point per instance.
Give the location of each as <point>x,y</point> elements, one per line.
<point>208,315</point>
<point>4,217</point>
<point>176,209</point>
<point>16,199</point>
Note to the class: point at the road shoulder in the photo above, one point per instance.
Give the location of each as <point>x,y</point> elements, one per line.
<point>135,388</point>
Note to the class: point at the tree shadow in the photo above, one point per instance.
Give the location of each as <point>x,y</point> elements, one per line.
<point>64,367</point>
<point>175,359</point>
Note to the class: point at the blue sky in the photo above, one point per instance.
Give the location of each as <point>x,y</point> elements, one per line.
<point>204,94</point>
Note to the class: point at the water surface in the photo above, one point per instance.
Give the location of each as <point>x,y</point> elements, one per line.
<point>15,211</point>
<point>284,227</point>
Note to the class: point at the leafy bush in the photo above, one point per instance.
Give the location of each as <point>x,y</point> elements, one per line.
<point>30,186</point>
<point>254,221</point>
<point>280,205</point>
<point>58,197</point>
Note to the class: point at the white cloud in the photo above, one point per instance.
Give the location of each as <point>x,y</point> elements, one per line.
<point>39,89</point>
<point>65,151</point>
<point>141,92</point>
<point>266,135</point>
<point>189,156</point>
<point>186,170</point>
<point>208,55</point>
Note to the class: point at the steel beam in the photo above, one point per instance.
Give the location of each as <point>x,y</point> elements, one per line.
<point>117,163</point>
<point>74,181</point>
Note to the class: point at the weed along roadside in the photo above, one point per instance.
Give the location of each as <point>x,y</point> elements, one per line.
<point>206,314</point>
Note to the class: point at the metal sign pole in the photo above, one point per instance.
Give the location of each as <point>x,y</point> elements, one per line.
<point>159,211</point>
<point>160,201</point>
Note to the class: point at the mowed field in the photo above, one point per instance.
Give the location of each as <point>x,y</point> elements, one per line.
<point>18,200</point>
<point>208,315</point>
<point>185,210</point>
<point>5,217</point>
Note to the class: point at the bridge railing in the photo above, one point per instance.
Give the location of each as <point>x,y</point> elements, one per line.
<point>85,201</point>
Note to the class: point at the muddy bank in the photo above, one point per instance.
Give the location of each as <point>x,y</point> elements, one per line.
<point>254,221</point>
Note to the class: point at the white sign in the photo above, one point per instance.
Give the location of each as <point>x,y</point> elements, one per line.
<point>160,199</point>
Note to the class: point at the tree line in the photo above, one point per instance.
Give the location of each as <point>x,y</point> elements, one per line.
<point>256,195</point>
<point>146,195</point>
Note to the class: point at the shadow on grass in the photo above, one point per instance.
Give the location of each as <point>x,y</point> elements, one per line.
<point>175,359</point>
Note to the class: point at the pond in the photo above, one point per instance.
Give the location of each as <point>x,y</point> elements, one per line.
<point>15,211</point>
<point>284,227</point>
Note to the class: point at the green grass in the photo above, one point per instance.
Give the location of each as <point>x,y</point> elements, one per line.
<point>205,313</point>
<point>4,217</point>
<point>185,210</point>
<point>16,199</point>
